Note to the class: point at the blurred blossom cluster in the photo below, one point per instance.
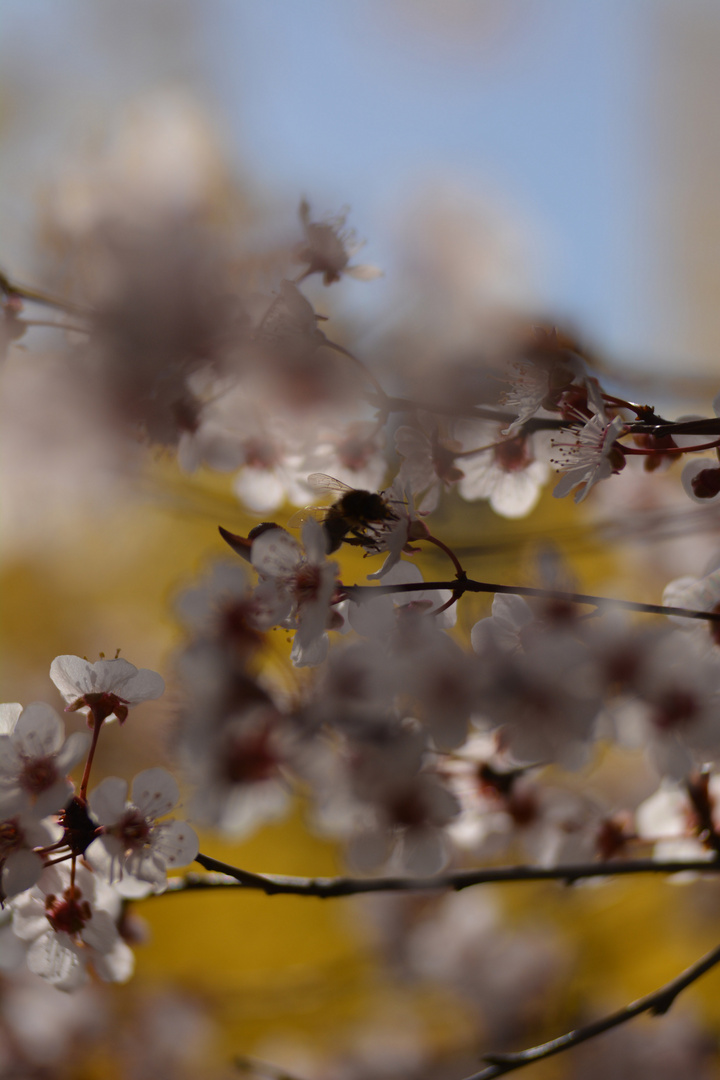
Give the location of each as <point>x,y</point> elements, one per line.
<point>416,741</point>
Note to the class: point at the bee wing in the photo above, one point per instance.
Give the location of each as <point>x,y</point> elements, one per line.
<point>321,482</point>
<point>309,513</point>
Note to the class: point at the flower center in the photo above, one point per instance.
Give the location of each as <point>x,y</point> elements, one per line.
<point>511,455</point>
<point>677,708</point>
<point>38,774</point>
<point>132,831</point>
<point>68,913</point>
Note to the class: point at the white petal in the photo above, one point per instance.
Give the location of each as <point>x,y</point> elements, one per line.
<point>100,932</point>
<point>155,792</point>
<point>9,714</point>
<point>117,965</point>
<point>276,553</point>
<point>261,490</point>
<point>177,844</point>
<point>22,870</point>
<point>53,957</point>
<point>72,676</point>
<point>39,731</point>
<point>75,677</point>
<point>128,682</point>
<point>73,750</point>
<point>107,801</point>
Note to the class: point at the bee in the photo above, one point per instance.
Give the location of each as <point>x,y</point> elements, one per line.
<point>352,518</point>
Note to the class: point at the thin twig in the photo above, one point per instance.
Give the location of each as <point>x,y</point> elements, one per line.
<point>227,876</point>
<point>361,593</point>
<point>656,1003</point>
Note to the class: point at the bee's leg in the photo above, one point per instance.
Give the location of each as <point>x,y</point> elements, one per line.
<point>357,539</point>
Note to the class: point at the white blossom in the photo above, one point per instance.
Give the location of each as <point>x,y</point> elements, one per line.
<point>70,926</point>
<point>108,688</point>
<point>35,759</point>
<point>135,840</point>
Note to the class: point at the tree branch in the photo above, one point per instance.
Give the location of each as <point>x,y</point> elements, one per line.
<point>656,1003</point>
<point>360,593</point>
<point>325,888</point>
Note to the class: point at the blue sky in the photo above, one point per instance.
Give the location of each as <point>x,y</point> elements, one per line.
<point>327,100</point>
<point>358,102</point>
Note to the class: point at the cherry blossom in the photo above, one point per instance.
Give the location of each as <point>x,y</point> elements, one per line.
<point>429,463</point>
<point>697,594</point>
<point>328,251</point>
<point>668,820</point>
<point>35,759</point>
<point>132,837</point>
<point>593,455</point>
<point>528,392</point>
<point>240,770</point>
<point>107,688</point>
<point>297,585</point>
<point>402,809</point>
<point>69,923</point>
<point>20,834</point>
<point>509,473</point>
<point>676,713</point>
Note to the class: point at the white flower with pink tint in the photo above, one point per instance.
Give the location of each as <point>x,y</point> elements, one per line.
<point>296,588</point>
<point>676,714</point>
<point>20,834</point>
<point>428,462</point>
<point>107,688</point>
<point>327,249</point>
<point>133,840</point>
<point>530,386</point>
<point>35,759</point>
<point>592,454</point>
<point>696,594</point>
<point>508,472</point>
<point>70,925</point>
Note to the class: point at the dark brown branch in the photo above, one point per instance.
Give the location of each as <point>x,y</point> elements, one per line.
<point>325,888</point>
<point>659,427</point>
<point>359,593</point>
<point>657,1004</point>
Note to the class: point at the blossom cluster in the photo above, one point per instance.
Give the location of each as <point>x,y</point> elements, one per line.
<point>418,738</point>
<point>69,860</point>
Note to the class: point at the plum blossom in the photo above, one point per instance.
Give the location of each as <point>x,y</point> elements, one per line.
<point>593,455</point>
<point>402,808</point>
<point>503,805</point>
<point>509,472</point>
<point>675,714</point>
<point>107,688</point>
<point>696,594</point>
<point>133,841</point>
<point>240,771</point>
<point>296,588</point>
<point>668,820</point>
<point>328,251</point>
<point>296,359</point>
<point>20,833</point>
<point>35,759</point>
<point>428,462</point>
<point>529,389</point>
<point>70,925</point>
<point>546,695</point>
